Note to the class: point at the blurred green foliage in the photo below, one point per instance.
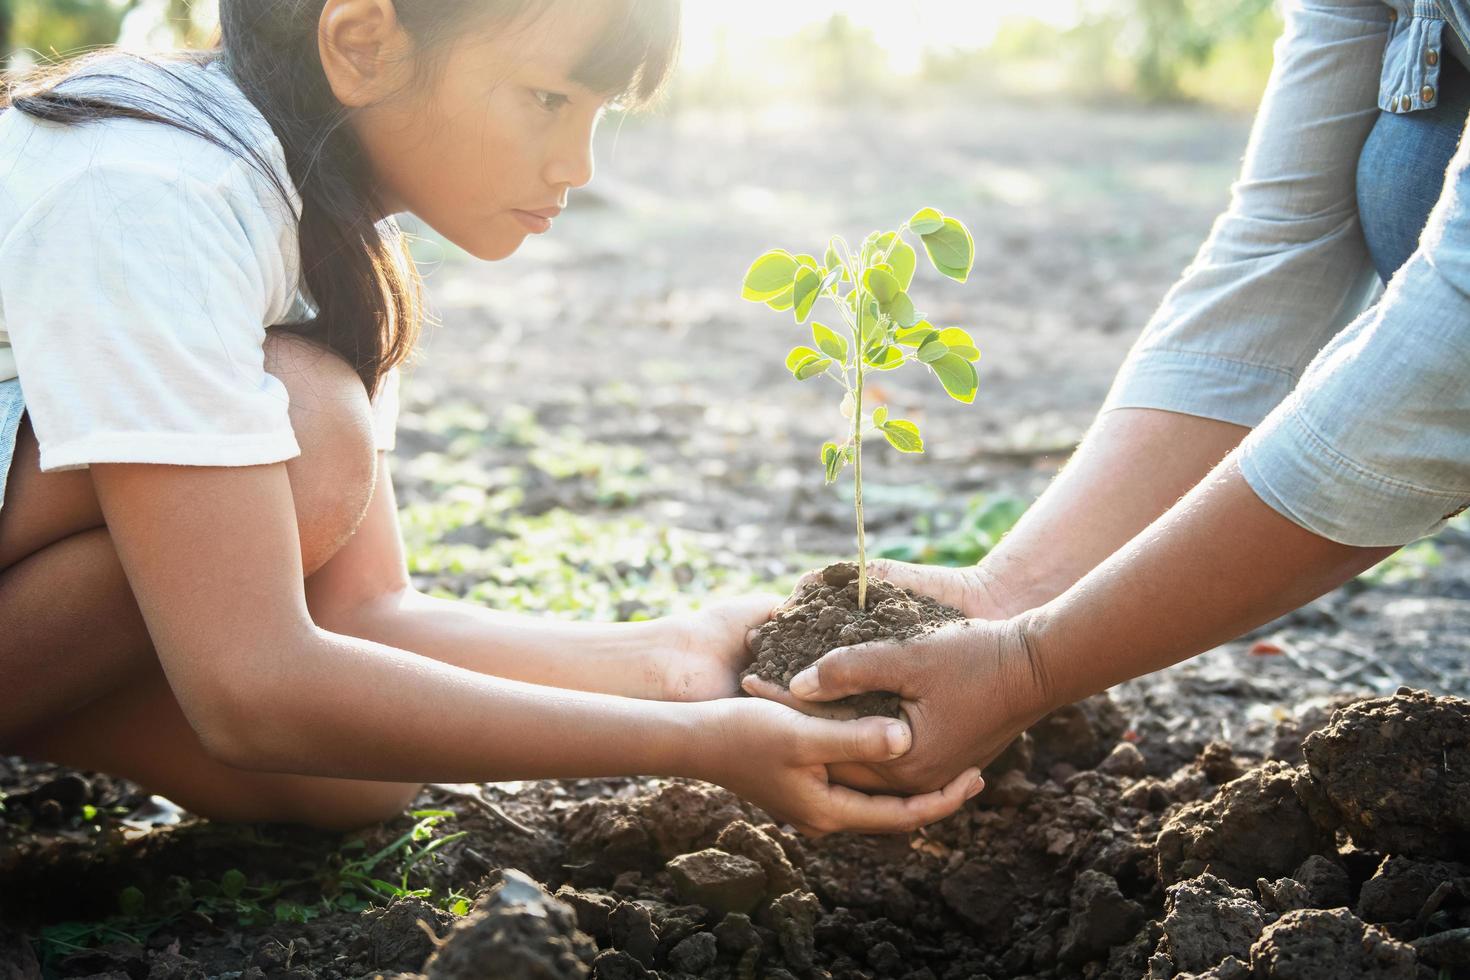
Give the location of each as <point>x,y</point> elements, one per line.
<point>55,27</point>
<point>59,28</point>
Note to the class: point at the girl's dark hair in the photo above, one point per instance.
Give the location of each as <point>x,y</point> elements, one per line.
<point>368,302</point>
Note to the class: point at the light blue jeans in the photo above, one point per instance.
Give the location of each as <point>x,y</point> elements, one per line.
<point>1356,394</point>
<point>12,407</point>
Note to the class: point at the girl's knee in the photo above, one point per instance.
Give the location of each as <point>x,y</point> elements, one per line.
<point>363,805</point>
<point>332,479</point>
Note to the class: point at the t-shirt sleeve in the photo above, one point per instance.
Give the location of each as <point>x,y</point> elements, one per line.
<point>136,298</point>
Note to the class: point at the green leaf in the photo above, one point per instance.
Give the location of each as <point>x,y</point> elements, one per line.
<point>903,258</point>
<point>902,310</point>
<point>961,343</point>
<point>782,301</point>
<point>811,368</point>
<point>955,337</point>
<point>932,350</point>
<point>832,259</point>
<point>958,377</point>
<point>916,335</point>
<point>951,249</point>
<point>829,341</point>
<point>797,356</point>
<point>880,415</point>
<point>883,285</point>
<point>832,460</point>
<point>130,901</point>
<point>926,221</point>
<point>884,358</point>
<point>232,883</point>
<point>903,435</point>
<point>805,290</point>
<point>810,261</point>
<point>769,275</point>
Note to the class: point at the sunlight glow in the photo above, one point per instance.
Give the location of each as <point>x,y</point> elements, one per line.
<point>905,29</point>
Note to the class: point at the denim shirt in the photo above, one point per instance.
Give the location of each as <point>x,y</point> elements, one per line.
<point>1358,396</point>
<point>1421,33</point>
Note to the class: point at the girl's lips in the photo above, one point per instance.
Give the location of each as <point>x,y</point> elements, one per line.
<point>535,222</point>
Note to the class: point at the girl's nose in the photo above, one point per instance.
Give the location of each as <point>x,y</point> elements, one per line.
<point>573,165</point>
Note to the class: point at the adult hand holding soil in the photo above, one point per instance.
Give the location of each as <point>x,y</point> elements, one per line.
<point>1218,563</point>
<point>968,689</point>
<point>779,759</point>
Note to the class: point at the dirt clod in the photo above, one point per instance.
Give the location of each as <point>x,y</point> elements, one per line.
<point>1254,828</point>
<point>1329,944</point>
<point>396,941</point>
<point>1101,918</point>
<point>1396,773</point>
<point>1206,920</point>
<point>718,881</point>
<point>516,932</point>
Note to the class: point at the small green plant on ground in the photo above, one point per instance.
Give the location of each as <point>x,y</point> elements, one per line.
<point>349,879</point>
<point>869,289</point>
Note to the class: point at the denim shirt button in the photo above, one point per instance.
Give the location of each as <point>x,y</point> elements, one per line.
<point>1405,103</point>
<point>1431,57</point>
<point>1427,93</point>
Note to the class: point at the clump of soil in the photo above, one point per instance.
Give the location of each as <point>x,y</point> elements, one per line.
<point>1385,770</point>
<point>824,615</point>
<point>516,932</point>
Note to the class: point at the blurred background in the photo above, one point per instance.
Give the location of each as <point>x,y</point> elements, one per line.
<point>1214,51</point>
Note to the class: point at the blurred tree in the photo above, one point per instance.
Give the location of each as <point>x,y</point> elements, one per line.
<point>57,27</point>
<point>836,60</point>
<point>1163,40</point>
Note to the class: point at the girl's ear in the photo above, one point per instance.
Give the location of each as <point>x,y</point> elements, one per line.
<point>364,50</point>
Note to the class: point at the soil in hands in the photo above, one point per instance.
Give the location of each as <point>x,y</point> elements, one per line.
<point>824,615</point>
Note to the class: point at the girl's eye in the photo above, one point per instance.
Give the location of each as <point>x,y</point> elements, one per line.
<point>550,101</point>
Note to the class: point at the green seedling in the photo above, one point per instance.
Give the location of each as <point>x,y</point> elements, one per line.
<point>884,331</point>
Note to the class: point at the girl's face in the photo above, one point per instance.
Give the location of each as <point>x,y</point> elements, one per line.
<point>486,147</point>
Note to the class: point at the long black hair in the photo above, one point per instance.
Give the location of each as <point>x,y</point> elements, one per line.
<point>368,306</point>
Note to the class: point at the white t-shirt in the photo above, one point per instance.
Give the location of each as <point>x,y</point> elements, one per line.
<point>139,269</point>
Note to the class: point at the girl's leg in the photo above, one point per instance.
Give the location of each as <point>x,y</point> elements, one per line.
<point>87,690</point>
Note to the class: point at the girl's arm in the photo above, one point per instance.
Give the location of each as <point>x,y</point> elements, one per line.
<point>213,559</point>
<point>365,591</point>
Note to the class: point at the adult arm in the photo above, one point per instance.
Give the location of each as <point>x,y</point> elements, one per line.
<point>1283,270</point>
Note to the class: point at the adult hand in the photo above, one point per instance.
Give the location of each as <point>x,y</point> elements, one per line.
<point>967,690</point>
<point>698,656</point>
<point>779,759</point>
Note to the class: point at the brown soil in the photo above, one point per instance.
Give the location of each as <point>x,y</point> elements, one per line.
<point>1083,865</point>
<point>824,615</point>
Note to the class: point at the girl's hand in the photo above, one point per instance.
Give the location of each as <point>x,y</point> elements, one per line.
<point>698,656</point>
<point>778,759</point>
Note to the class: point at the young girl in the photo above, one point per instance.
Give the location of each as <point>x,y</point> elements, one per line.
<point>203,300</point>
